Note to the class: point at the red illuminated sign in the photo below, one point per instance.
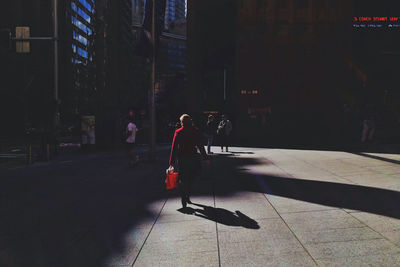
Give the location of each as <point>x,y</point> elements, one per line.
<point>362,22</point>
<point>375,19</point>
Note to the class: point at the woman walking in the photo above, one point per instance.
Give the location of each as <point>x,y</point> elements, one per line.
<point>184,152</point>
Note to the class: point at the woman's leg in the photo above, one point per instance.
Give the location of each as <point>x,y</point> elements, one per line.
<point>185,176</point>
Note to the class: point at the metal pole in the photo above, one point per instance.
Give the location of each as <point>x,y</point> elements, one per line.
<point>56,115</point>
<point>224,84</point>
<point>56,81</point>
<point>152,89</point>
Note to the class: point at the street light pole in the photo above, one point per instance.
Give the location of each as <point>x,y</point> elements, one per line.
<point>55,43</point>
<point>152,155</point>
<point>224,84</point>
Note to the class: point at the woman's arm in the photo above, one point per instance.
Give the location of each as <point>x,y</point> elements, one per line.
<point>174,149</point>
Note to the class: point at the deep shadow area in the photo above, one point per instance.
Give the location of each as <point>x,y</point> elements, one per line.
<point>221,216</point>
<point>368,199</point>
<point>348,196</point>
<point>79,211</point>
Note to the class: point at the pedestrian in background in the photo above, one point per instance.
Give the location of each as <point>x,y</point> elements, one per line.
<point>210,131</point>
<point>131,130</point>
<point>368,130</point>
<point>224,130</point>
<point>186,141</point>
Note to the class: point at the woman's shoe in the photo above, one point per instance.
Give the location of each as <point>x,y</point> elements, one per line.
<point>184,203</point>
<point>188,200</point>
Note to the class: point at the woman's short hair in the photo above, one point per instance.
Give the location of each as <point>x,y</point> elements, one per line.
<point>186,120</point>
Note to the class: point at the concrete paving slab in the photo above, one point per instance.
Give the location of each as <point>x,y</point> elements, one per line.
<point>320,220</point>
<point>365,178</point>
<point>253,205</point>
<point>188,243</point>
<point>182,231</point>
<point>288,205</point>
<point>346,249</point>
<point>364,161</point>
<point>283,259</point>
<point>386,169</point>
<point>386,226</point>
<point>257,250</point>
<point>269,229</point>
<point>365,260</point>
<point>336,235</point>
<point>206,259</point>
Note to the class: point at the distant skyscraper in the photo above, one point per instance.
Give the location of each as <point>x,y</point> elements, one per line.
<point>82,20</point>
<point>81,77</point>
<point>175,13</point>
<point>137,11</point>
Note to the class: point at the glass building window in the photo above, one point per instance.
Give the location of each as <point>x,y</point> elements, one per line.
<point>87,6</point>
<point>79,38</point>
<point>76,61</point>
<point>80,12</point>
<point>82,52</point>
<point>81,26</point>
<point>74,7</point>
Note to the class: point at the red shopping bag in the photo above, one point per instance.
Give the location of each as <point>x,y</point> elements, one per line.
<point>171,181</point>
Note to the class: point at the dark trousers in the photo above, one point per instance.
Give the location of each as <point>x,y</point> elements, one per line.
<point>224,139</point>
<point>188,168</point>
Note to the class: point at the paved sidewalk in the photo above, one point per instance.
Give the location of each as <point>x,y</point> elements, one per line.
<point>259,207</point>
<point>251,207</point>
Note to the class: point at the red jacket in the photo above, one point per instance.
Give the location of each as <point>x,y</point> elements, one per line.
<point>185,141</point>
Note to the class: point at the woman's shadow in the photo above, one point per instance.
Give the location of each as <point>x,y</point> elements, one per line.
<point>221,216</point>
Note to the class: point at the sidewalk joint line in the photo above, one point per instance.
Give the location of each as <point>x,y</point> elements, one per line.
<point>290,229</point>
<point>151,229</point>
<point>216,226</point>
<point>366,225</point>
<point>306,211</point>
<point>346,241</point>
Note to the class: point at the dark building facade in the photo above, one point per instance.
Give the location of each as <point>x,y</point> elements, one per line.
<point>278,68</point>
<point>171,65</point>
<point>26,94</point>
<point>290,68</point>
<point>211,53</point>
<point>30,99</point>
<point>98,72</point>
<point>120,80</point>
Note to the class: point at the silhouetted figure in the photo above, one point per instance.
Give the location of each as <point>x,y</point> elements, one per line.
<point>210,131</point>
<point>224,130</point>
<point>368,130</point>
<point>184,152</point>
